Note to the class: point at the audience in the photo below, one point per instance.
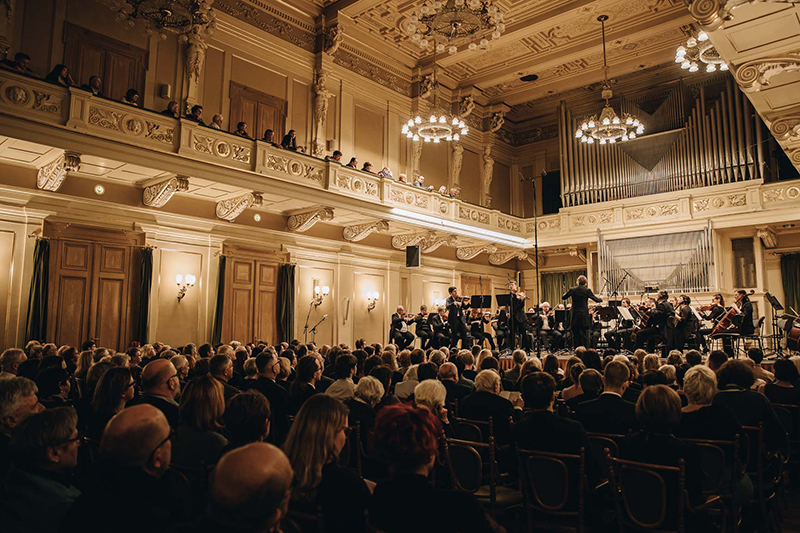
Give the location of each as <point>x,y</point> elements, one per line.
<point>172,110</point>
<point>367,394</point>
<point>131,97</point>
<point>160,387</point>
<point>220,367</point>
<point>353,163</point>
<point>487,402</point>
<point>10,360</point>
<point>241,130</point>
<point>198,439</point>
<point>246,419</point>
<point>18,401</point>
<point>784,389</point>
<point>60,75</point>
<point>448,375</point>
<point>344,387</point>
<point>609,413</point>
<point>701,419</point>
<point>335,157</point>
<point>196,114</point>
<point>114,390</point>
<point>268,368</point>
<point>20,63</point>
<point>216,121</point>
<point>289,141</point>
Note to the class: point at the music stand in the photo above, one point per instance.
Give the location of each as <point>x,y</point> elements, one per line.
<point>777,331</point>
<point>478,301</point>
<point>614,303</point>
<point>606,314</point>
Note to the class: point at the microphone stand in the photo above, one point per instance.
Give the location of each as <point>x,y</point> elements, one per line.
<point>305,327</point>
<point>314,329</point>
<point>535,244</point>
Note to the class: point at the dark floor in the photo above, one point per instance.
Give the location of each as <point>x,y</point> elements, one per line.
<point>791,515</point>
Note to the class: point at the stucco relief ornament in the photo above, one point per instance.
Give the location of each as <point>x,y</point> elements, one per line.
<point>158,194</point>
<point>498,119</point>
<point>362,231</point>
<point>466,107</point>
<point>195,52</point>
<point>232,208</point>
<point>469,252</point>
<point>334,36</point>
<point>711,14</point>
<point>320,113</point>
<point>301,222</point>
<point>458,156</point>
<point>426,87</point>
<point>753,75</point>
<point>488,172</point>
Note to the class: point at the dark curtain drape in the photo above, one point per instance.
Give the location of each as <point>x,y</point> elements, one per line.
<point>790,271</point>
<point>36,326</point>
<point>286,303</point>
<point>145,284</point>
<point>216,333</point>
<point>555,284</point>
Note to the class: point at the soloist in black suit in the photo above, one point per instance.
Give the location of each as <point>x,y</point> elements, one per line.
<point>608,413</point>
<point>457,321</point>
<point>581,319</point>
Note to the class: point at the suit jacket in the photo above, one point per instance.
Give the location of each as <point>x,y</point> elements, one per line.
<point>279,404</point>
<point>659,316</point>
<point>745,321</point>
<point>363,413</point>
<point>580,305</point>
<point>480,405</point>
<point>397,323</point>
<point>169,408</point>
<point>455,312</point>
<point>455,391</point>
<point>751,408</point>
<point>436,323</point>
<point>608,413</point>
<point>228,390</point>
<point>423,324</point>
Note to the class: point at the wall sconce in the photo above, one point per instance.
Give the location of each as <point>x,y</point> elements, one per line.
<point>184,282</point>
<point>438,302</point>
<point>319,294</point>
<point>372,300</point>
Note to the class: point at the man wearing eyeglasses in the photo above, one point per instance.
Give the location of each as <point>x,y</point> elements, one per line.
<point>268,369</point>
<point>160,388</point>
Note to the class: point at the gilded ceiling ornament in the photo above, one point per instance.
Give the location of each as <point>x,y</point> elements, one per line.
<point>711,14</point>
<point>466,106</point>
<point>498,119</point>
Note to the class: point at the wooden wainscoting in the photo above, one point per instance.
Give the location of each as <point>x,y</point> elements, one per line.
<point>251,294</point>
<point>94,282</point>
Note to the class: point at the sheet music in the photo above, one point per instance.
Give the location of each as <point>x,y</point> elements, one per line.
<point>625,313</point>
<point>696,314</point>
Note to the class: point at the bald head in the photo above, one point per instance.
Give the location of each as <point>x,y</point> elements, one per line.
<point>160,377</point>
<point>138,436</point>
<point>448,371</point>
<point>251,486</point>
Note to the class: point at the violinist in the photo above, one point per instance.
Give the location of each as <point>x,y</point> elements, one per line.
<point>518,315</point>
<point>744,322</point>
<point>657,325</point>
<point>548,335</point>
<point>399,332</point>
<point>423,329</point>
<point>437,322</point>
<point>687,322</point>
<point>581,320</point>
<point>620,337</point>
<point>477,320</point>
<point>712,312</point>
<point>456,319</point>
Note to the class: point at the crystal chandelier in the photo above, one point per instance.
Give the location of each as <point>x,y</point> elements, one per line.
<point>699,50</point>
<point>441,125</point>
<point>609,127</point>
<point>445,22</point>
<point>160,16</point>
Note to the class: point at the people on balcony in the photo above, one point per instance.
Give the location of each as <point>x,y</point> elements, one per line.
<point>216,122</point>
<point>385,172</point>
<point>60,75</point>
<point>131,97</point>
<point>419,181</point>
<point>289,141</point>
<point>353,163</point>
<point>402,178</point>
<point>171,110</point>
<point>241,130</point>
<point>367,167</point>
<point>20,64</point>
<point>94,86</point>
<point>336,157</point>
<point>196,114</point>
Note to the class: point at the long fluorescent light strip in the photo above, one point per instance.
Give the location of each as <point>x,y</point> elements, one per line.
<point>458,228</point>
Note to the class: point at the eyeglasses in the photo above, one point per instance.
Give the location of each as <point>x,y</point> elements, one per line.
<point>78,439</point>
<point>131,384</point>
<point>170,436</point>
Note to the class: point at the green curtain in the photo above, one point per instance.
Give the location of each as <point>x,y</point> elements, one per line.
<point>286,289</point>
<point>555,284</point>
<point>144,294</point>
<point>790,271</point>
<point>36,326</point>
<point>216,333</point>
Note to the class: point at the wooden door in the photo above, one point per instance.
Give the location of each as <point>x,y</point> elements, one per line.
<point>121,66</point>
<point>92,279</point>
<point>261,111</point>
<point>266,302</point>
<point>239,300</point>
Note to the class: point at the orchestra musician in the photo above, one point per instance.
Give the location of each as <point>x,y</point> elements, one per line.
<point>547,332</point>
<point>597,326</point>
<point>456,305</point>
<point>399,332</point>
<point>743,320</point>
<point>477,320</point>
<point>518,315</point>
<point>687,322</point>
<point>438,323</point>
<point>581,320</point>
<point>620,337</point>
<point>500,323</point>
<point>712,313</point>
<point>423,329</point>
<point>658,324</point>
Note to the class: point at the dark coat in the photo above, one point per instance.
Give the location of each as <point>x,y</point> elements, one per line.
<point>455,312</point>
<point>24,491</point>
<point>608,413</point>
<point>751,408</point>
<point>455,391</point>
<point>480,405</point>
<point>580,305</point>
<point>279,404</point>
<point>169,408</point>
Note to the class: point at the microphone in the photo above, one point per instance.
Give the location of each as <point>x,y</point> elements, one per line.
<point>324,317</point>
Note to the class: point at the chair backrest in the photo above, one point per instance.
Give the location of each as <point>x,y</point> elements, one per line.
<point>789,416</point>
<point>649,497</point>
<point>306,517</point>
<point>601,442</point>
<point>465,463</point>
<point>553,483</point>
<point>468,430</point>
<point>720,463</point>
<point>754,442</point>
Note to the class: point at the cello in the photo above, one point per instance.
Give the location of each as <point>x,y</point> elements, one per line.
<point>726,321</point>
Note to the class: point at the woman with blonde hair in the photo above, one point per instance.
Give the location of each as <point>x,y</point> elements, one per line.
<point>198,439</point>
<point>313,445</point>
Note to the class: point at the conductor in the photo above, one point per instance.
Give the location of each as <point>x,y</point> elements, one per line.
<point>455,317</point>
<point>581,319</point>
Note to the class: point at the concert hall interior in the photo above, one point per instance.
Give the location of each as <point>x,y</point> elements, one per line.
<point>176,173</point>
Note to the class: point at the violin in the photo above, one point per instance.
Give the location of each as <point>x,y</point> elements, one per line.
<point>704,308</point>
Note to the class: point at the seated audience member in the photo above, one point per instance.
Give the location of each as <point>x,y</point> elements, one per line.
<point>386,172</point>
<point>486,402</point>
<point>172,110</point>
<point>20,64</point>
<point>196,114</point>
<point>431,395</point>
<point>221,368</point>
<point>701,419</point>
<point>757,356</point>
<point>419,181</point>
<point>250,369</point>
<point>785,388</point>
<point>448,375</point>
<point>551,367</point>
<point>368,393</point>
<point>353,163</point>
<point>289,141</point>
<point>10,361</point>
<point>313,446</point>
<point>609,413</point>
<point>268,368</point>
<point>519,357</point>
<point>426,371</point>
<point>468,360</point>
<point>541,430</point>
<point>114,390</point>
<point>308,373</point>
<point>131,97</point>
<point>18,401</point>
<point>160,387</point>
<point>60,75</point>
<point>135,454</point>
<point>336,157</point>
<point>282,378</point>
<point>246,419</point>
<point>241,130</point>
<point>716,359</point>
<point>750,408</point>
<point>45,451</point>
<point>54,387</point>
<point>573,375</point>
<point>269,137</point>
<point>249,493</point>
<point>406,388</point>
<point>591,386</point>
<point>344,387</point>
<point>181,364</point>
<point>402,178</point>
<point>443,190</point>
<point>216,121</point>
<point>367,167</point>
<point>658,411</point>
<point>384,374</point>
<point>406,439</point>
<point>94,86</point>
<point>198,439</point>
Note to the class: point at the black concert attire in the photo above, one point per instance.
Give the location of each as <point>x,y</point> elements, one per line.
<point>423,330</point>
<point>657,325</point>
<point>620,337</point>
<point>520,322</point>
<point>714,314</point>
<point>596,331</point>
<point>742,324</point>
<point>439,328</point>
<point>399,332</point>
<point>457,321</point>
<point>687,325</point>
<point>546,330</point>
<point>581,320</point>
<point>501,329</point>
<point>477,332</point>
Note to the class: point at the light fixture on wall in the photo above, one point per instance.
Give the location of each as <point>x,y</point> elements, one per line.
<point>698,50</point>
<point>372,300</point>
<point>319,294</point>
<point>438,302</point>
<point>184,282</point>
